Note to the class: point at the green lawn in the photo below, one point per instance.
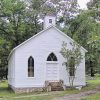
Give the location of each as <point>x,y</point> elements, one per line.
<point>92,84</point>
<point>92,97</point>
<point>4,91</point>
<point>9,95</point>
<point>30,98</point>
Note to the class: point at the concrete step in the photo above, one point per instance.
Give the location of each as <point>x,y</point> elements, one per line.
<point>55,84</point>
<point>56,88</point>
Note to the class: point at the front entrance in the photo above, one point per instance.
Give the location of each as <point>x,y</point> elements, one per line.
<point>52,68</point>
<point>52,72</point>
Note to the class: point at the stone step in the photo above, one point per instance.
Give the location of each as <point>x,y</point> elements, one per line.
<point>55,84</point>
<point>56,88</point>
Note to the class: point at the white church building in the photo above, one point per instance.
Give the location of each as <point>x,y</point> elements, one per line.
<point>37,63</point>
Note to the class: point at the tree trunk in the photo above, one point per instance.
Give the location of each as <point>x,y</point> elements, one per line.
<point>92,69</point>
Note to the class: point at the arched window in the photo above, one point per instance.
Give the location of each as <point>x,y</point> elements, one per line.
<point>52,57</point>
<point>30,67</point>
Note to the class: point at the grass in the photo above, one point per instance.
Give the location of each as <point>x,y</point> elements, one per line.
<point>7,94</point>
<point>4,91</point>
<point>30,98</point>
<point>92,84</point>
<point>92,97</point>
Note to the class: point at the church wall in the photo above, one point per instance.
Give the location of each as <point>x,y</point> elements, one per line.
<point>39,48</point>
<point>11,70</point>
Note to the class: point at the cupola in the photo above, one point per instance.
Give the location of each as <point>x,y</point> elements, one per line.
<point>49,20</point>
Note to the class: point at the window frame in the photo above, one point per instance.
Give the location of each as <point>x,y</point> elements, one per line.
<point>53,57</point>
<point>30,65</point>
<point>50,21</point>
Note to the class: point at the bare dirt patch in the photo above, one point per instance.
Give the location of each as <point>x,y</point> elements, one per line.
<point>80,95</point>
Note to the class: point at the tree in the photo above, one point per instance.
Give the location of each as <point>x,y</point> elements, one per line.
<point>15,27</point>
<point>73,58</point>
<point>83,29</point>
<point>10,29</point>
<point>4,51</point>
<point>94,51</point>
<point>19,20</point>
<point>67,8</point>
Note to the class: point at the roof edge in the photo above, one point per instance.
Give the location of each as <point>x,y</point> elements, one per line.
<point>40,33</point>
<point>69,38</point>
<point>27,41</point>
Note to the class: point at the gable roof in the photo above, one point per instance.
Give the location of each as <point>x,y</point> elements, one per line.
<point>41,33</point>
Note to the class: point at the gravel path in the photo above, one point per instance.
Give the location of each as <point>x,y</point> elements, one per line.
<point>79,96</point>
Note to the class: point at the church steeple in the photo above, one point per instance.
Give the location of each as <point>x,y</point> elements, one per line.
<point>49,20</point>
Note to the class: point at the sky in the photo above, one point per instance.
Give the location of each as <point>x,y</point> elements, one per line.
<point>82,3</point>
